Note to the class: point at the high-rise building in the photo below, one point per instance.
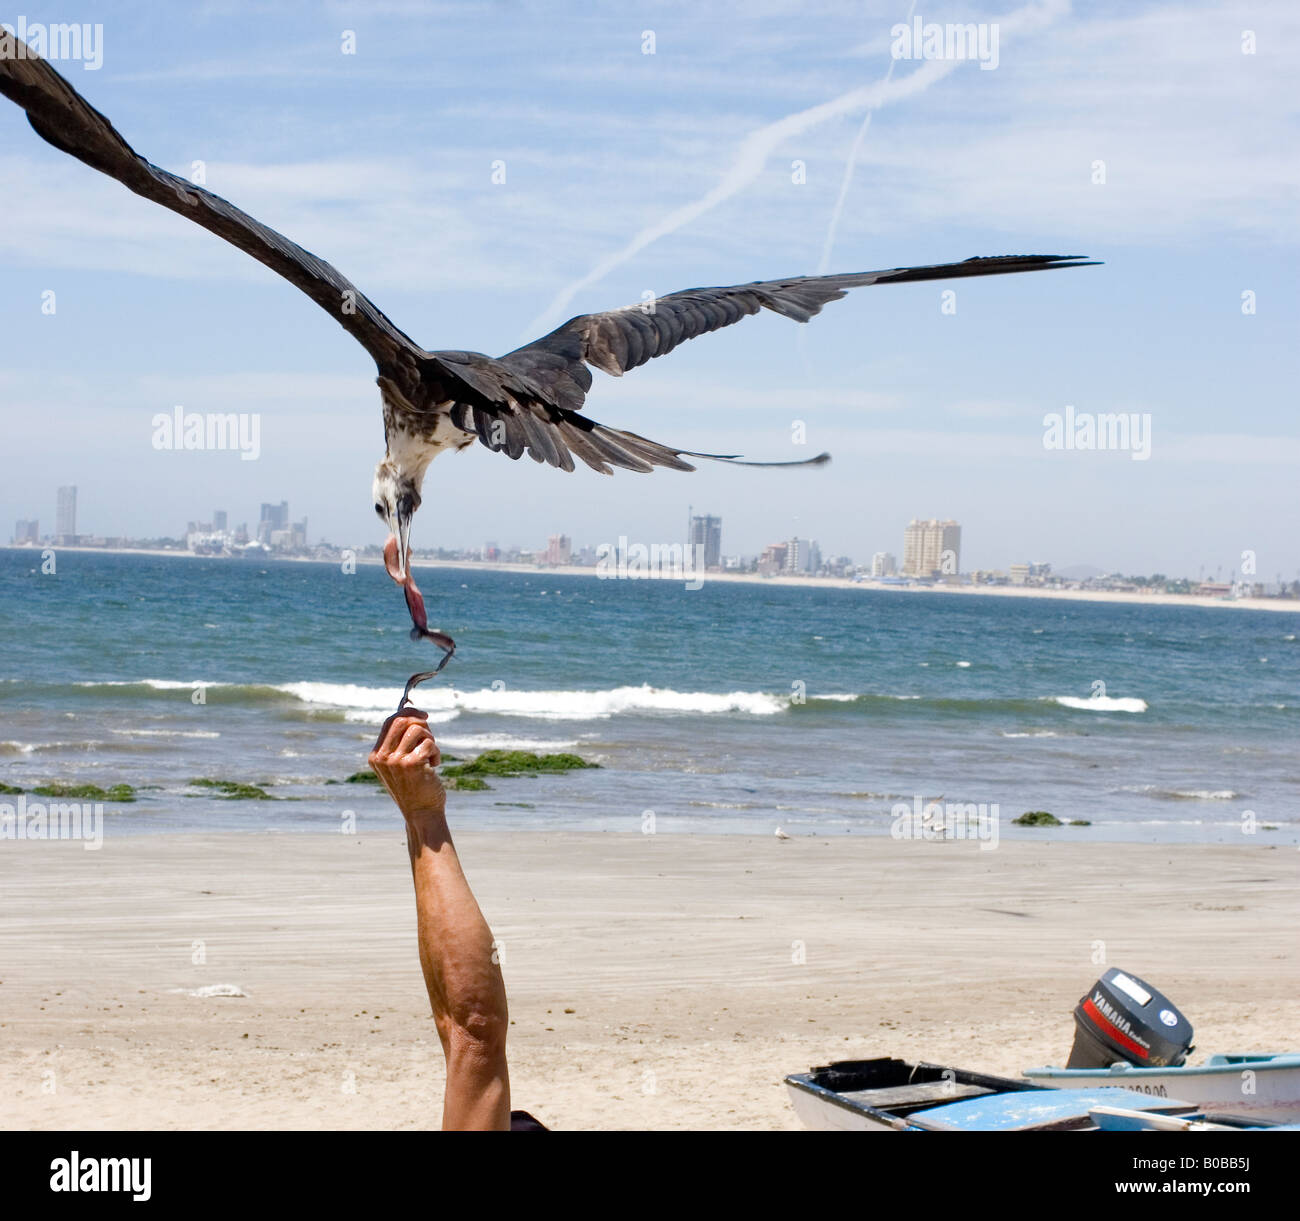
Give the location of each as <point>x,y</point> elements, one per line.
<point>931,548</point>
<point>913,540</point>
<point>802,555</point>
<point>219,520</point>
<point>27,531</point>
<point>883,564</point>
<point>65,519</point>
<point>706,532</point>
<point>947,549</point>
<point>277,515</point>
<point>773,558</point>
<point>274,517</point>
<point>559,550</point>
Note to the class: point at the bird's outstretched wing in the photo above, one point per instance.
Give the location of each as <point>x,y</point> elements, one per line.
<point>541,387</point>
<point>60,115</point>
<point>623,339</point>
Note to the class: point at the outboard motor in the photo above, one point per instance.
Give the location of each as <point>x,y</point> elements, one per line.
<point>1125,1018</point>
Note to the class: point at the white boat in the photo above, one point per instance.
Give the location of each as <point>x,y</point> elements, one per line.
<point>1258,1086</point>
<point>887,1095</point>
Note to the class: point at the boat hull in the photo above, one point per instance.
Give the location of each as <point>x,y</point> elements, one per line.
<point>1257,1086</point>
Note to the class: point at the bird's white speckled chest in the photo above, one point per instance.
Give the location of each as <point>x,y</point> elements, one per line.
<point>414,441</point>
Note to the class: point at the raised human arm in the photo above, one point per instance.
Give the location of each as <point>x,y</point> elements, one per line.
<point>460,967</point>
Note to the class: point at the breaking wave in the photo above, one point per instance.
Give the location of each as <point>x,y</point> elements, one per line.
<point>371,705</point>
<point>1101,703</point>
<point>1151,790</point>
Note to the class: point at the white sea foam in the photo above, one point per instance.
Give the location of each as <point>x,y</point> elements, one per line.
<point>965,665</point>
<point>377,716</point>
<point>543,705</point>
<point>1037,733</point>
<point>503,741</point>
<point>29,748</point>
<point>1100,703</point>
<point>218,990</point>
<point>1152,790</point>
<point>853,698</point>
<point>345,695</point>
<point>158,684</point>
<point>166,733</point>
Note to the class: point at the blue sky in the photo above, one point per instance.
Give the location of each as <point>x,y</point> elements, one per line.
<point>382,163</point>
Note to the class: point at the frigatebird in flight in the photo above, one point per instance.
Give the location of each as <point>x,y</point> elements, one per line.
<point>528,401</point>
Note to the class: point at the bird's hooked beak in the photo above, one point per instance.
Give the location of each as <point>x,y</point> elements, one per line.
<point>397,563</point>
<point>397,551</point>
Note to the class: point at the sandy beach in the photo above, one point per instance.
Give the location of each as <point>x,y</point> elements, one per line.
<point>665,981</point>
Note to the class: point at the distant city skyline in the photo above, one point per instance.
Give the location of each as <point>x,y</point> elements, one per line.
<point>928,545</point>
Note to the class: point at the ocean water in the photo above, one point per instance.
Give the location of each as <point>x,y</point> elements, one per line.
<point>728,708</point>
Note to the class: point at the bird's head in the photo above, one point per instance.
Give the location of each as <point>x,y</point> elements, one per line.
<point>397,496</point>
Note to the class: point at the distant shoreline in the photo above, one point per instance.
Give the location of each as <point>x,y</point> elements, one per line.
<point>749,578</point>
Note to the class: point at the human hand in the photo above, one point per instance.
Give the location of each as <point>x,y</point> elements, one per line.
<point>404,757</point>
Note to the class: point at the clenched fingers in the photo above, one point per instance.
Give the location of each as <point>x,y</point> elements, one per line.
<point>390,733</point>
<point>414,736</point>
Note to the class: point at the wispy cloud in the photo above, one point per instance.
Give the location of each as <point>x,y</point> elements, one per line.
<point>750,160</point>
<point>755,150</point>
<point>851,162</point>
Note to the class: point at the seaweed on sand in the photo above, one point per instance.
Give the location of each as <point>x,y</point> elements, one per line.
<point>233,790</point>
<point>1037,818</point>
<point>509,764</point>
<point>85,792</point>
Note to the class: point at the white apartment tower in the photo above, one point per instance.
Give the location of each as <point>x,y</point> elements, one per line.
<point>931,548</point>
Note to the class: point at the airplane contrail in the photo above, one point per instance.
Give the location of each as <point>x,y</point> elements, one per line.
<point>851,164</point>
<point>759,145</point>
<point>748,163</point>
